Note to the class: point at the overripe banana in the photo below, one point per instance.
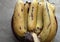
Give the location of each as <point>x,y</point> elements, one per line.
<point>32,15</point>
<point>18,20</point>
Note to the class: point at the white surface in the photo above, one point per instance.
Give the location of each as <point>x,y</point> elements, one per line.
<point>6,12</point>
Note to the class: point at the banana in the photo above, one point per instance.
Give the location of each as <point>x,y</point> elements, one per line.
<point>53,22</point>
<point>32,15</point>
<point>46,23</point>
<point>39,18</point>
<point>18,19</point>
<point>50,25</point>
<point>26,14</point>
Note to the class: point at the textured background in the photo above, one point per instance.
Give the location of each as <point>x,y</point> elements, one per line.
<point>6,12</point>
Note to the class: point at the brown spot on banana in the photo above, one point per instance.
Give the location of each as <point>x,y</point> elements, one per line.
<point>26,1</point>
<point>29,3</point>
<point>28,10</point>
<point>21,10</point>
<point>32,16</point>
<point>20,28</point>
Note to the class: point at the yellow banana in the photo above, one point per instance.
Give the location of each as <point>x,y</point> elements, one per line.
<point>32,15</point>
<point>18,19</point>
<point>53,22</point>
<point>49,29</point>
<point>26,14</point>
<point>39,18</point>
<point>46,23</point>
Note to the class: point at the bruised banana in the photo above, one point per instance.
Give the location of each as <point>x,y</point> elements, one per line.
<point>32,15</point>
<point>39,19</point>
<point>18,19</point>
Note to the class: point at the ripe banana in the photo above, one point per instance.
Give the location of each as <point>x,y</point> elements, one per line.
<point>53,22</point>
<point>46,24</point>
<point>39,19</point>
<point>36,17</point>
<point>32,15</point>
<point>26,14</point>
<point>49,28</point>
<point>18,18</point>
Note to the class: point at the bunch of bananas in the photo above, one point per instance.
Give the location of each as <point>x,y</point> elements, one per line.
<point>35,18</point>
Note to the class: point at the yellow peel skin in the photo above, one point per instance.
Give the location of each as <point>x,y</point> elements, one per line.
<point>48,33</point>
<point>18,18</point>
<point>53,23</point>
<point>46,28</point>
<point>39,18</point>
<point>32,15</point>
<point>26,15</point>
